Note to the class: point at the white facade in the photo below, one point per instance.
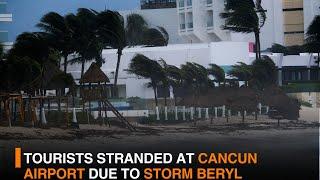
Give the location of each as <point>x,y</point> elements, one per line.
<point>224,54</point>
<point>204,54</point>
<point>199,21</point>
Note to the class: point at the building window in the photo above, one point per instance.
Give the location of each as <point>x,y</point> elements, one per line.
<point>189,2</point>
<point>190,20</point>
<point>181,3</point>
<point>209,18</point>
<point>209,1</point>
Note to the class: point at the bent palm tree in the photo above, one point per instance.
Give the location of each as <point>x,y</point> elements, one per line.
<point>60,34</point>
<point>242,72</point>
<point>149,69</point>
<point>217,72</point>
<point>136,26</point>
<point>87,44</point>
<point>111,30</point>
<point>245,16</point>
<point>156,37</point>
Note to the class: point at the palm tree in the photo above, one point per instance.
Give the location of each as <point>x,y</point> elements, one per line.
<point>245,16</point>
<point>136,26</point>
<point>86,42</point>
<point>149,69</point>
<point>217,72</point>
<point>264,73</point>
<point>313,39</point>
<point>57,28</point>
<point>112,32</point>
<point>242,72</point>
<point>165,81</point>
<point>33,45</point>
<point>156,37</point>
<point>174,79</point>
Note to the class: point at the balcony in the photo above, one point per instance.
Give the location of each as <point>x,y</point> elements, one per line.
<point>147,4</point>
<point>3,36</point>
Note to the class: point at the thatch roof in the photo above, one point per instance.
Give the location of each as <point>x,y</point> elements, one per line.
<point>94,75</point>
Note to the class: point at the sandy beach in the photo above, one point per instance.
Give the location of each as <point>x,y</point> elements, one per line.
<point>290,147</point>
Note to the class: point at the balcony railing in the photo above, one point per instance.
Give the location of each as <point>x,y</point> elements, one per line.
<point>190,25</point>
<point>3,8</point>
<point>3,36</point>
<point>158,4</point>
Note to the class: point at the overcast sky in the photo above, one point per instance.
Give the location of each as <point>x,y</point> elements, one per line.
<point>27,13</point>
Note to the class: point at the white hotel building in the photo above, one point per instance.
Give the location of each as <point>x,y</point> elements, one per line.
<point>5,17</point>
<point>195,33</point>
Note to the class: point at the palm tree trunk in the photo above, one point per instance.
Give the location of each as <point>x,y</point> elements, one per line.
<point>65,65</point>
<point>82,67</point>
<point>117,72</point>
<point>257,44</point>
<point>155,95</point>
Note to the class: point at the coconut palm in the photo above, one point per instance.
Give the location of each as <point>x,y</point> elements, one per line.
<point>112,32</point>
<point>11,81</point>
<point>242,72</point>
<point>135,28</point>
<point>195,76</point>
<point>33,45</point>
<point>313,38</point>
<point>245,16</point>
<point>87,44</point>
<point>57,28</point>
<point>156,37</point>
<point>217,72</point>
<point>264,73</point>
<point>164,83</point>
<point>175,80</point>
<point>149,69</point>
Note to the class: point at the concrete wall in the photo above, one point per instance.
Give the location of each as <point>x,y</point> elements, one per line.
<point>203,54</point>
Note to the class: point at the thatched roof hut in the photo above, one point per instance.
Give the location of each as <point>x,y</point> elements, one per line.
<point>94,75</point>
